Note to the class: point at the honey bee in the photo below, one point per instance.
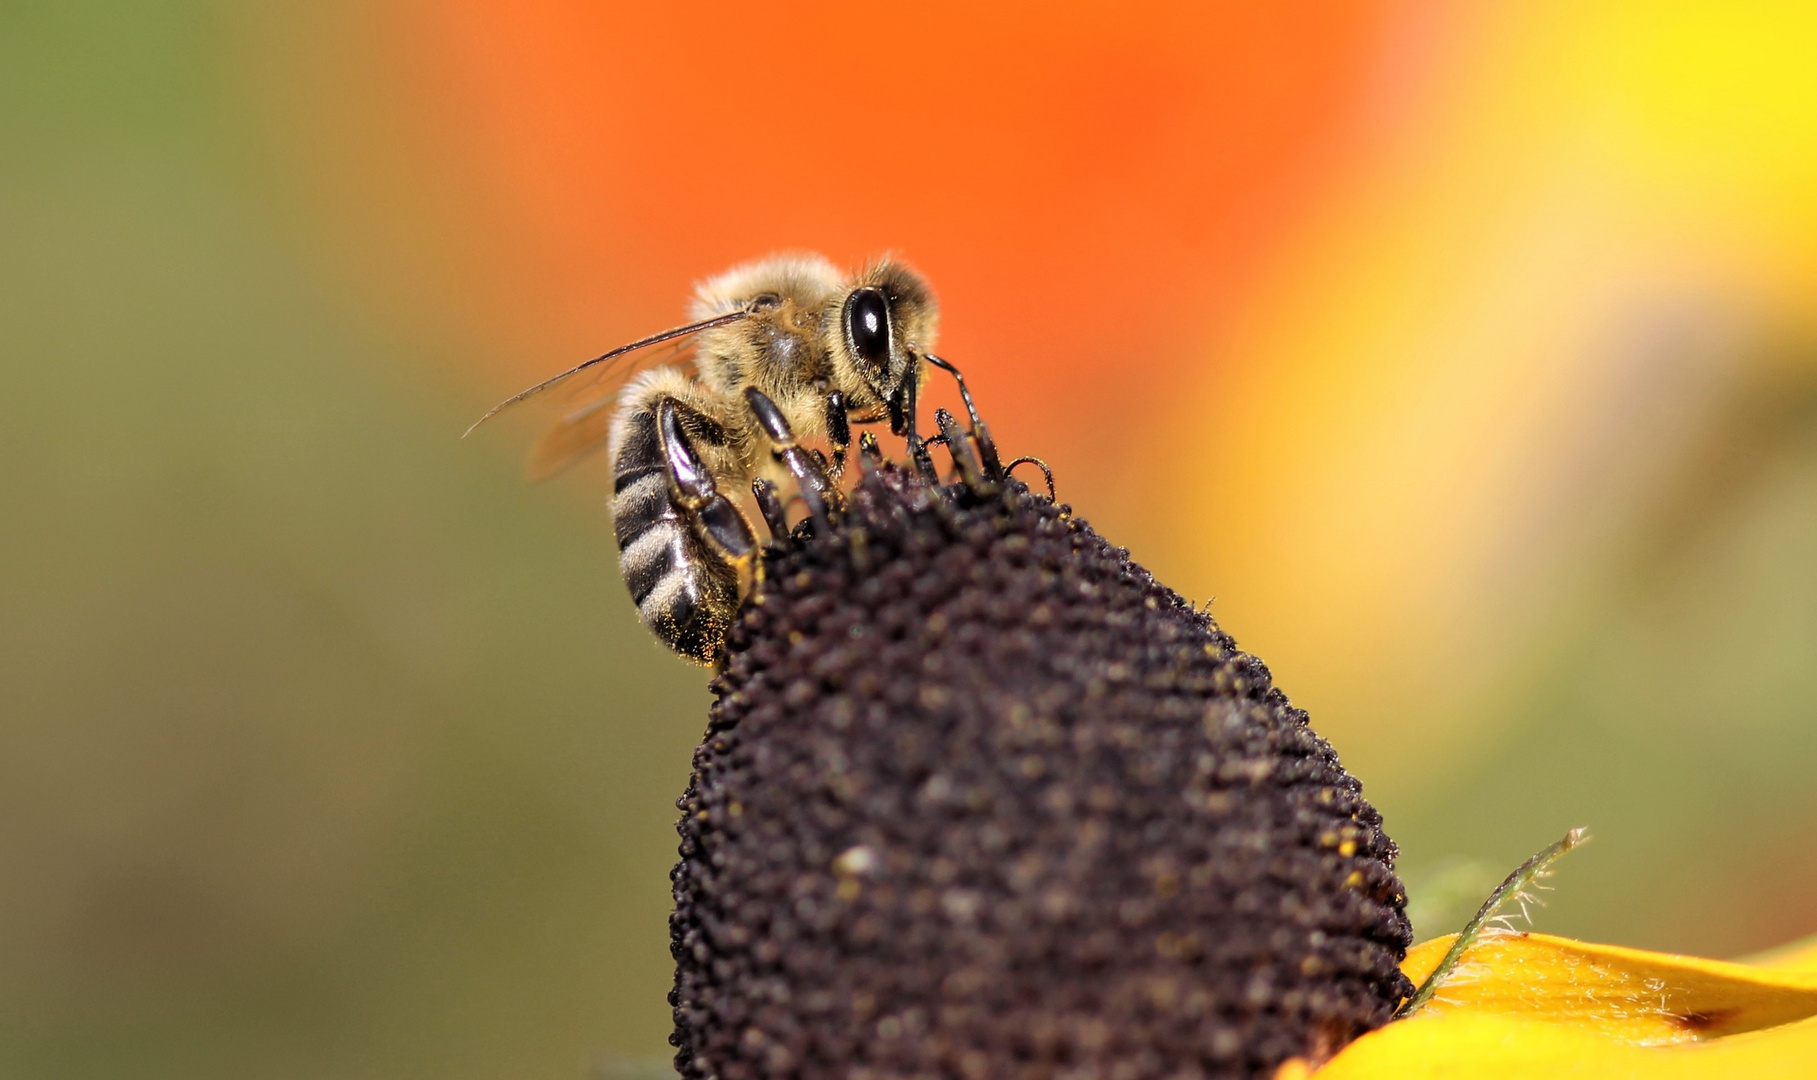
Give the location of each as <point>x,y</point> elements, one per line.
<point>784,349</point>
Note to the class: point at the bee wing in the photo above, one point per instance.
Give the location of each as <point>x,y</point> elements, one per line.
<point>607,357</point>
<point>586,422</point>
<point>576,436</point>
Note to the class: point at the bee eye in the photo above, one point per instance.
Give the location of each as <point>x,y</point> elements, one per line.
<point>867,327</point>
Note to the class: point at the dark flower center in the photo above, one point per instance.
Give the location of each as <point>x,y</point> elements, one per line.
<point>980,798</point>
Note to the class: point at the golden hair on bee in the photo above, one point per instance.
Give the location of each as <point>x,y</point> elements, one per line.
<point>785,348</point>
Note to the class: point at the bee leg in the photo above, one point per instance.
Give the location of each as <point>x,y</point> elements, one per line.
<point>770,506</point>
<point>869,452</point>
<point>807,472</point>
<point>961,450</point>
<point>902,422</point>
<point>715,518</point>
<point>839,433</point>
<point>987,450</point>
<point>1010,470</point>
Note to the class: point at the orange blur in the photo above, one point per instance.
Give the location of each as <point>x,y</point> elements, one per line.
<point>1085,189</point>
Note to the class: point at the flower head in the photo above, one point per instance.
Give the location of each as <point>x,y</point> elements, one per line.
<point>980,798</point>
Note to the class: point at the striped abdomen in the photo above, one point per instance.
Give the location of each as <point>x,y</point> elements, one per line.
<point>686,593</point>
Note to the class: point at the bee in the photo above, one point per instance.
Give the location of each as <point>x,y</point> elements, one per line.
<point>784,349</point>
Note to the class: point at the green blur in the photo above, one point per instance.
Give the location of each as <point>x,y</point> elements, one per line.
<point>330,749</point>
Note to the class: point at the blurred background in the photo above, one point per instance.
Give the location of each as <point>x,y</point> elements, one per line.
<point>1467,358</point>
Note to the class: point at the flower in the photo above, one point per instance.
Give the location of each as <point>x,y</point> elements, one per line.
<point>980,798</point>
<point>1533,1005</point>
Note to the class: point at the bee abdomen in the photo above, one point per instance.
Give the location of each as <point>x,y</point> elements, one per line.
<point>639,505</point>
<point>651,556</point>
<point>685,594</point>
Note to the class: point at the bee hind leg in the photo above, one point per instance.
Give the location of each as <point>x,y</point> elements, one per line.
<point>717,520</point>
<point>687,553</point>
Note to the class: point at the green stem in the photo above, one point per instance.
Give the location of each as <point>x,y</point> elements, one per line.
<point>1512,887</point>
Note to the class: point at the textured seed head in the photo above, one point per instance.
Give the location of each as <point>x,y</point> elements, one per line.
<point>981,799</point>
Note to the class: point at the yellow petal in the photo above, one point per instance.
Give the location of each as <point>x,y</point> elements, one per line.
<point>1502,1046</point>
<point>1533,1005</point>
<point>1626,994</point>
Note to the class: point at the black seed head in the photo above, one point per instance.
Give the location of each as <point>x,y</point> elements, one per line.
<point>979,798</point>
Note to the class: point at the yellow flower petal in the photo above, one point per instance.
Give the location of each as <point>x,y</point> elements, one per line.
<point>1503,1046</point>
<point>1626,994</point>
<point>1533,1005</point>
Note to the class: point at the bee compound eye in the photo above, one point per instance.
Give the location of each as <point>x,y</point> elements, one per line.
<point>867,327</point>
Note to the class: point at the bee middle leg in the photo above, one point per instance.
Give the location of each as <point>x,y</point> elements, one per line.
<point>770,505</point>
<point>809,476</point>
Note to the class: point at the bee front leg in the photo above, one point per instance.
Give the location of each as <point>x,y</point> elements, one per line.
<point>902,422</point>
<point>961,450</point>
<point>987,450</point>
<point>839,433</point>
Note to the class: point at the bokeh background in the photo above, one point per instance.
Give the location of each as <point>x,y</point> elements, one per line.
<point>1465,354</point>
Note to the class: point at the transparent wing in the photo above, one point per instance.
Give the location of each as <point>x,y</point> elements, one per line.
<point>586,420</point>
<point>607,358</point>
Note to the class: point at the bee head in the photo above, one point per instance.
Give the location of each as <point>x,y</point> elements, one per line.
<point>885,324</point>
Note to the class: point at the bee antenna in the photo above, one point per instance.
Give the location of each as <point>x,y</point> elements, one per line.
<point>641,343</point>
